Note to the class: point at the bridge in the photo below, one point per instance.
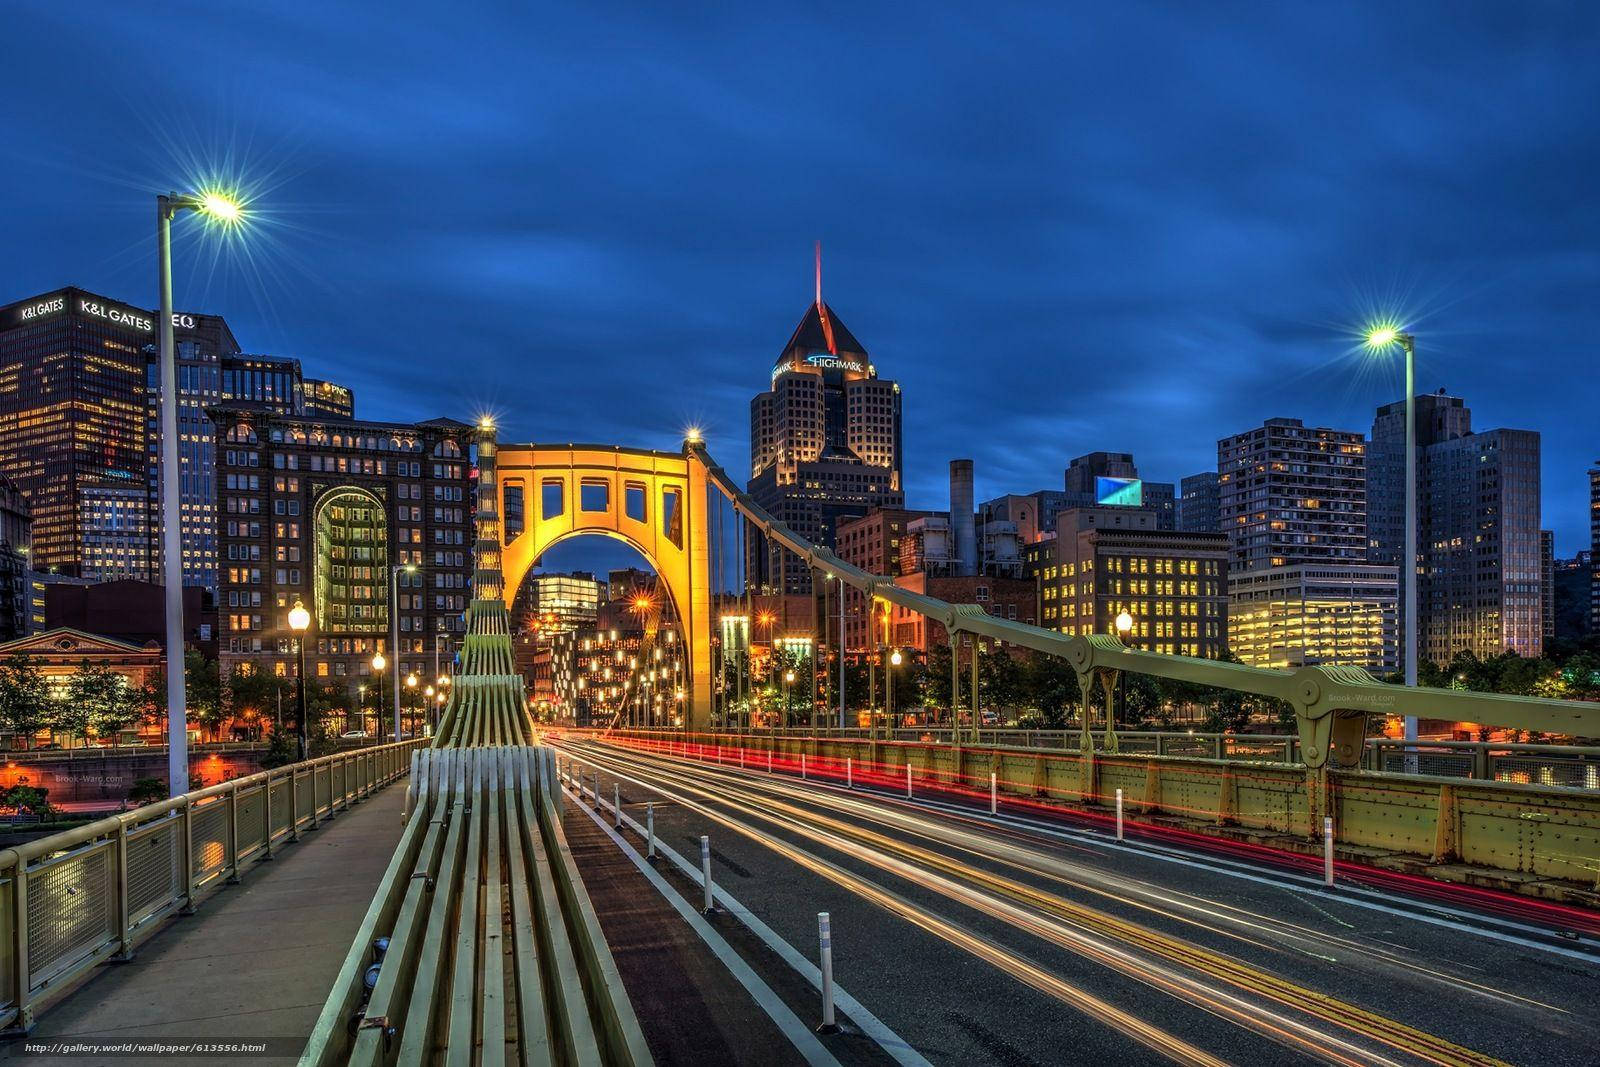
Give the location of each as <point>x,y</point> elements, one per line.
<point>538,894</point>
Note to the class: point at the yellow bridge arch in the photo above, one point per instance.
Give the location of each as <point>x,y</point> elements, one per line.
<point>653,501</point>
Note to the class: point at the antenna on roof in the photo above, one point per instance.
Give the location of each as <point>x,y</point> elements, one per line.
<point>819,273</point>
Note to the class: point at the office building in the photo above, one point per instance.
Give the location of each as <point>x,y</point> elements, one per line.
<point>72,427</point>
<point>1303,614</point>
<point>1101,562</point>
<point>1110,479</point>
<point>1292,501</point>
<point>1594,548</point>
<point>201,343</point>
<point>1547,585</point>
<point>871,542</point>
<point>16,547</point>
<point>1200,503</point>
<point>1479,586</point>
<point>1289,493</point>
<point>329,399</point>
<point>561,602</point>
<point>824,441</point>
<point>1095,481</point>
<point>319,511</point>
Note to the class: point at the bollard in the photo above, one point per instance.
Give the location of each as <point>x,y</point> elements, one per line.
<point>994,795</point>
<point>908,776</point>
<point>616,804</point>
<point>1119,815</point>
<point>849,777</point>
<point>825,941</point>
<point>769,761</point>
<point>705,870</point>
<point>650,830</point>
<point>1327,850</point>
<point>802,765</point>
<point>597,789</point>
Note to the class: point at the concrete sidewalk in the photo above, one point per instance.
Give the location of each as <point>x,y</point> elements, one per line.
<point>253,965</point>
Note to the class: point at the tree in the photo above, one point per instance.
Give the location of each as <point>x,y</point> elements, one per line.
<point>26,799</point>
<point>280,749</point>
<point>204,691</point>
<point>147,791</point>
<point>1054,685</point>
<point>102,700</point>
<point>24,698</point>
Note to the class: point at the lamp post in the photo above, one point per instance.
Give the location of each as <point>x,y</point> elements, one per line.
<point>299,622</point>
<point>1124,631</point>
<point>841,651</point>
<point>378,663</point>
<point>394,632</point>
<point>894,660</point>
<point>228,212</point>
<point>1382,337</point>
<point>788,708</point>
<point>361,707</point>
<point>411,696</point>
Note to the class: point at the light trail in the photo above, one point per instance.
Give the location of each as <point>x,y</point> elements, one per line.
<point>929,869</point>
<point>1009,963</point>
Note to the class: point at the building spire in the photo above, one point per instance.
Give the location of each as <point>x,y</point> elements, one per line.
<point>819,273</point>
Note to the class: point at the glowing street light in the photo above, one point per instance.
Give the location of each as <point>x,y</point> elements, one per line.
<point>394,631</point>
<point>299,622</point>
<point>225,210</point>
<point>1124,625</point>
<point>1381,337</point>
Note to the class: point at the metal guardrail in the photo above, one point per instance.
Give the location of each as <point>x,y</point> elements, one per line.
<point>483,865</point>
<point>1508,830</point>
<point>1557,766</point>
<point>75,899</point>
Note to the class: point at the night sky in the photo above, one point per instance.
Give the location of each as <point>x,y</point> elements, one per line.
<point>1062,228</point>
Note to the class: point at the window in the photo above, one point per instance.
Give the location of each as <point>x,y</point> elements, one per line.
<point>552,503</point>
<point>671,514</point>
<point>594,496</point>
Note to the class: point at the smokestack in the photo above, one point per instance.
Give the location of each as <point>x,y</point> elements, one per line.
<point>963,532</point>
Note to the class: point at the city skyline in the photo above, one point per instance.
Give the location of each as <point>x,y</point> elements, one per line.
<point>1138,276</point>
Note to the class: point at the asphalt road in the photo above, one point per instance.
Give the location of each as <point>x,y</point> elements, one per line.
<point>1025,940</point>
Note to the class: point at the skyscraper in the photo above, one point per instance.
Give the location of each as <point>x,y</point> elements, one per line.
<point>1289,493</point>
<point>201,344</point>
<point>1479,585</point>
<point>1292,501</point>
<point>824,439</point>
<point>1200,503</point>
<point>72,428</point>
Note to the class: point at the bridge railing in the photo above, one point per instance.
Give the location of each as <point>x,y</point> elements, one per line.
<point>73,900</point>
<point>1558,766</point>
<point>1524,837</point>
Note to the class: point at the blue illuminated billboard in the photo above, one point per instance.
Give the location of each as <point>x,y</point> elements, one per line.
<point>1119,492</point>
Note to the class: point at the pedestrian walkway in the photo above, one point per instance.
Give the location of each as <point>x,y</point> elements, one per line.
<point>253,965</point>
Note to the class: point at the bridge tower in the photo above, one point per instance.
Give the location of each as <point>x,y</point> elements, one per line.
<point>653,501</point>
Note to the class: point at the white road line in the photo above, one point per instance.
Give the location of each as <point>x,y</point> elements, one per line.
<point>892,1043</point>
<point>798,1033</point>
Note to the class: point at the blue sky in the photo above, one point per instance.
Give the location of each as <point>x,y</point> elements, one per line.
<point>1133,226</point>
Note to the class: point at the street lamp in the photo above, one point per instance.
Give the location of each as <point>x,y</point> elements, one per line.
<point>394,632</point>
<point>299,622</point>
<point>1124,625</point>
<point>411,697</point>
<point>788,708</point>
<point>895,659</point>
<point>1379,338</point>
<point>378,663</point>
<point>226,211</point>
